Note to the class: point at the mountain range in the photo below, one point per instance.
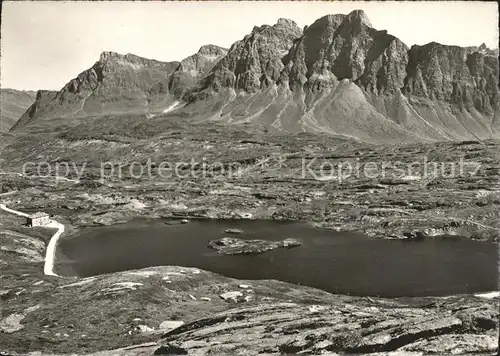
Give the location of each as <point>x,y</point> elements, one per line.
<point>338,76</point>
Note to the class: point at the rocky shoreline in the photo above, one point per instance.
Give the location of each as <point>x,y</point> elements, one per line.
<point>230,316</point>
<point>270,317</point>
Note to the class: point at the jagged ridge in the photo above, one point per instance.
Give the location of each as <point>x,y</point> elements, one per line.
<point>339,76</point>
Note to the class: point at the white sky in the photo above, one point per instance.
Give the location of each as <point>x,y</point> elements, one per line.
<point>45,44</point>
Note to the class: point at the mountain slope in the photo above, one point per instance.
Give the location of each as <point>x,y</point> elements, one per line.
<point>43,98</point>
<point>115,84</point>
<point>13,103</point>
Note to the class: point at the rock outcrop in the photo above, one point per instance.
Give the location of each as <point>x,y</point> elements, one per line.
<point>289,328</point>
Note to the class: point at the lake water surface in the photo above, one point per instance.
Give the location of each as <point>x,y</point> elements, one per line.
<point>338,262</point>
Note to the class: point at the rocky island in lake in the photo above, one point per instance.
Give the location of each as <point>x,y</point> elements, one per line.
<point>234,246</point>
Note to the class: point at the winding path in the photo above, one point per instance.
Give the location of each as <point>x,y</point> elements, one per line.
<point>50,253</point>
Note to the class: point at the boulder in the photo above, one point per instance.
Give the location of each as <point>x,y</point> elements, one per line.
<point>170,324</point>
<point>232,296</point>
<point>233,231</point>
<point>176,222</point>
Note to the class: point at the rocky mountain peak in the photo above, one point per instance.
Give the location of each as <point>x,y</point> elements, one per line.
<point>306,57</point>
<point>255,61</point>
<point>111,59</point>
<point>115,61</point>
<point>212,50</point>
<point>116,83</point>
<point>325,23</point>
<point>193,68</point>
<point>109,55</point>
<point>281,24</point>
<point>283,29</point>
<point>286,23</point>
<point>485,50</point>
<point>358,17</point>
<point>341,46</point>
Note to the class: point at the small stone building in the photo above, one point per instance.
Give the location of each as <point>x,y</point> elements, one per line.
<point>38,219</point>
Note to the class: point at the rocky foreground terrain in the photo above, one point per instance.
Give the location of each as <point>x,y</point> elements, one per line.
<point>338,123</point>
<point>257,175</point>
<point>186,311</point>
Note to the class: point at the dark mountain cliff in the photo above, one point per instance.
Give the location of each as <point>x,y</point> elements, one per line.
<point>255,62</point>
<point>337,47</point>
<point>453,74</point>
<point>339,76</point>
